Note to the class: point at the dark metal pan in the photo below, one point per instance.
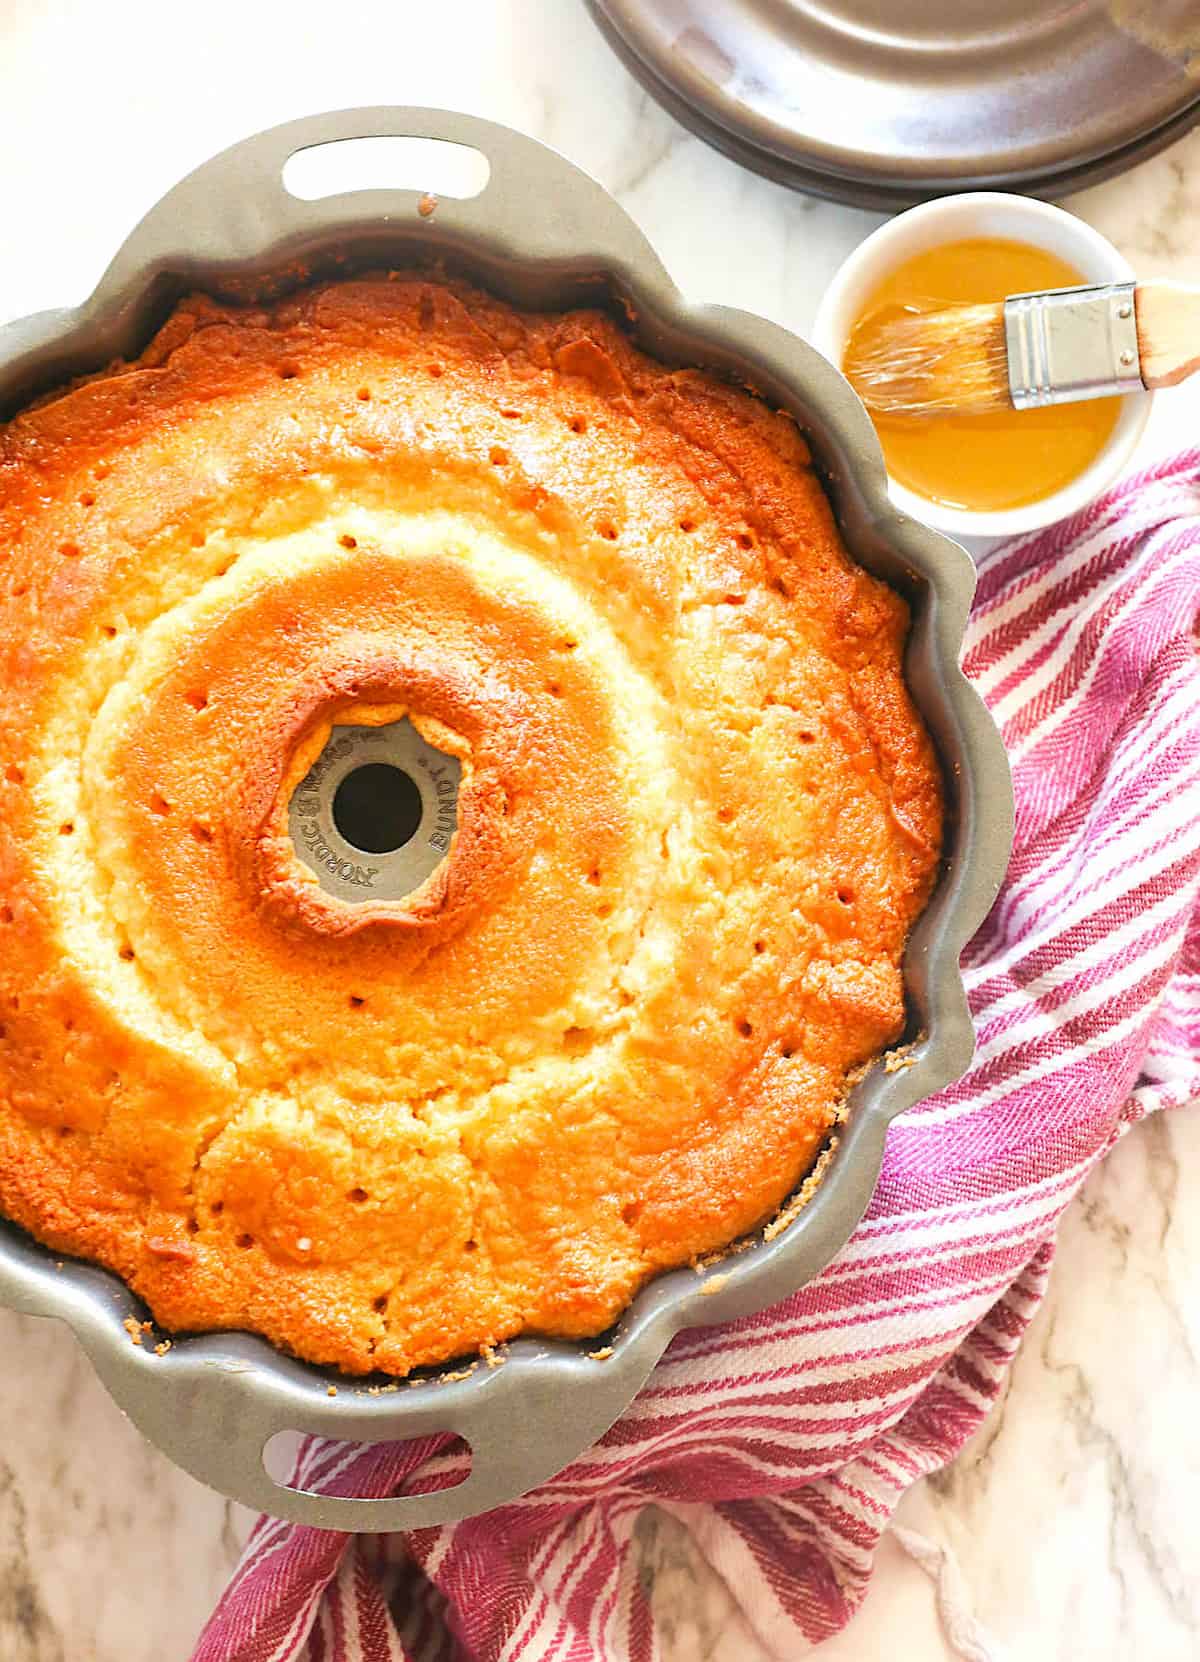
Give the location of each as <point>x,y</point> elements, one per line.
<point>544,234</point>
<point>882,105</point>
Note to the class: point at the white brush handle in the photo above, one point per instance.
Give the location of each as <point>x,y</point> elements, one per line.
<point>1168,327</point>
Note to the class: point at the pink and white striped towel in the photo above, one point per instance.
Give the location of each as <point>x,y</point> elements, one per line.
<point>783,1442</point>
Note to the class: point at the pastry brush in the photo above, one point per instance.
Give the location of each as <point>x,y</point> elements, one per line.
<point>1029,350</point>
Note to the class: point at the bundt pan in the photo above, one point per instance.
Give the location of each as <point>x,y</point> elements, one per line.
<point>544,235</point>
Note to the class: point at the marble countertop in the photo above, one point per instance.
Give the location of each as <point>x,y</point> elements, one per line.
<point>1071,1514</point>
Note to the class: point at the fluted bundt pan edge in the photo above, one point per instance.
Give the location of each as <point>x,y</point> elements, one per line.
<point>544,235</point>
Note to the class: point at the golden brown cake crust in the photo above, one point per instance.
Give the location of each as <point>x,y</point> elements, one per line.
<point>698,817</point>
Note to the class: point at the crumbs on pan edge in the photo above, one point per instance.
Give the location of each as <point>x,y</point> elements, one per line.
<point>895,1061</point>
<point>902,1057</point>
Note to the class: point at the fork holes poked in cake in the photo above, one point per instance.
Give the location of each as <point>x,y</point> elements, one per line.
<point>436,658</point>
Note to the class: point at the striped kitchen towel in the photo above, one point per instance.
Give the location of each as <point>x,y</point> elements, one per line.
<point>784,1441</point>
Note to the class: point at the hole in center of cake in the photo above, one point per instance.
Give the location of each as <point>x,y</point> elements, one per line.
<point>377,807</point>
<point>375,814</point>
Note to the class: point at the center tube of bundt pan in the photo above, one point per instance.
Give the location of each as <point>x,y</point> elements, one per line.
<point>374,815</point>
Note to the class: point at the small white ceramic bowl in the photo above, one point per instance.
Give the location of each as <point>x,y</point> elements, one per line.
<point>986,214</point>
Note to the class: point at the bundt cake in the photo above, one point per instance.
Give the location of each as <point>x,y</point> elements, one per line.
<point>582,1000</point>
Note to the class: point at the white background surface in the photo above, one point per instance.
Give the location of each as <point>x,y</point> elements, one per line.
<point>1072,1515</point>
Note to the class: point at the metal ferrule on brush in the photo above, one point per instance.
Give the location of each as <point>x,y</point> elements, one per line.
<point>1069,344</point>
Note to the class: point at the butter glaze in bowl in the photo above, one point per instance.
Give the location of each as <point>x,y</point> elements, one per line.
<point>1011,218</point>
<point>543,235</point>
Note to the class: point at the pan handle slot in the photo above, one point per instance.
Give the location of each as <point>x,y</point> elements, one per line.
<point>332,1452</point>
<point>429,1464</point>
<point>474,184</point>
<point>434,167</point>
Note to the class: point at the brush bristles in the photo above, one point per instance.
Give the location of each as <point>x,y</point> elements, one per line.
<point>923,364</point>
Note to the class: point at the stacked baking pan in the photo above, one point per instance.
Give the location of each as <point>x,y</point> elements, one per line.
<point>883,103</point>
